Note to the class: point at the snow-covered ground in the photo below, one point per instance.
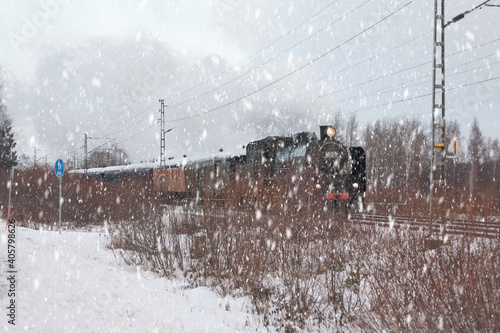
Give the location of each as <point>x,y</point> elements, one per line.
<point>71,282</point>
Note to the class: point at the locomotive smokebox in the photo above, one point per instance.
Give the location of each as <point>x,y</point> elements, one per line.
<point>326,132</point>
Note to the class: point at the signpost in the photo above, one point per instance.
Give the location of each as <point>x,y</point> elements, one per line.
<point>59,170</point>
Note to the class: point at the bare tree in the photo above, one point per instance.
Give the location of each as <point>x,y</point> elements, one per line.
<point>397,152</point>
<point>492,154</point>
<point>372,145</point>
<point>413,142</point>
<point>477,154</point>
<point>495,156</point>
<point>337,124</point>
<point>351,133</point>
<point>107,157</point>
<point>453,133</point>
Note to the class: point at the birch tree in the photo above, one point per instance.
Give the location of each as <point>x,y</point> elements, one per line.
<point>351,133</point>
<point>477,152</point>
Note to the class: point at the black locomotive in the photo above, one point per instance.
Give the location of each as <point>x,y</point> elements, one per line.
<point>326,168</point>
<point>329,170</point>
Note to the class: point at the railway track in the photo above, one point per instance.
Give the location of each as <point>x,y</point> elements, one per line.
<point>464,227</point>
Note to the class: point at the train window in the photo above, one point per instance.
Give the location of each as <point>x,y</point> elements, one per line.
<point>299,151</point>
<point>284,154</point>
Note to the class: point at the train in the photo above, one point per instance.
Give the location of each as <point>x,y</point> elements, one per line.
<point>324,169</point>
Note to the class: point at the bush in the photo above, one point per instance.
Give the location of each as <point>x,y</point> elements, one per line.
<point>153,242</point>
<point>36,198</point>
<point>453,288</point>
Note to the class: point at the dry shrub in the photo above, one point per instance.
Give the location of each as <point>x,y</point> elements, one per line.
<point>281,252</point>
<point>453,288</point>
<point>35,198</point>
<point>398,202</point>
<point>154,242</point>
<point>488,203</point>
<point>35,195</point>
<point>303,267</point>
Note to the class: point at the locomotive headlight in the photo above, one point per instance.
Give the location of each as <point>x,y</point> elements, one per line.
<point>355,185</point>
<point>330,132</point>
<point>318,186</point>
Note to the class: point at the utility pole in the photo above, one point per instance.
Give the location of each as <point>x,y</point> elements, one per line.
<point>438,101</point>
<point>438,155</point>
<point>85,161</point>
<point>162,141</point>
<point>35,160</point>
<point>162,134</point>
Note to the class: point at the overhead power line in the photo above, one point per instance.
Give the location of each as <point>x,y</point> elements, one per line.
<point>376,106</point>
<point>130,121</point>
<point>372,57</point>
<point>404,84</point>
<point>296,70</point>
<point>137,134</point>
<point>271,59</point>
<point>254,54</point>
<point>401,71</point>
<point>105,143</point>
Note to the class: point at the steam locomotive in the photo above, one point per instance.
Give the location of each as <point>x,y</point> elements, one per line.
<point>328,170</point>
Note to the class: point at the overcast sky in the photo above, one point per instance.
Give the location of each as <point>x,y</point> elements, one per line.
<point>231,71</point>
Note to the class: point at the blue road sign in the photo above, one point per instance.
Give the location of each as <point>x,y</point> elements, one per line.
<point>59,168</point>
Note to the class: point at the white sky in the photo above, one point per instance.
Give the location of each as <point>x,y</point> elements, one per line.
<point>100,67</point>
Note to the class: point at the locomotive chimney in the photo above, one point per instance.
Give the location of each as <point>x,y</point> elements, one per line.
<point>323,132</point>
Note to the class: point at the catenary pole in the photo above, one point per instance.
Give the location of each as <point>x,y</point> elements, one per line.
<point>438,154</point>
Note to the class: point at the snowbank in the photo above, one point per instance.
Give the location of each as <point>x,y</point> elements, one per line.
<point>71,282</point>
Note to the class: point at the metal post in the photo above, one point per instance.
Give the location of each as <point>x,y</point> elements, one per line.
<point>438,155</point>
<point>85,166</point>
<point>60,202</point>
<point>162,134</point>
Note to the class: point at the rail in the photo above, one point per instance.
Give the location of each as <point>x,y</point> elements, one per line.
<point>464,227</point>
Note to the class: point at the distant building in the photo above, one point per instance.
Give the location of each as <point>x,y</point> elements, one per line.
<point>107,157</point>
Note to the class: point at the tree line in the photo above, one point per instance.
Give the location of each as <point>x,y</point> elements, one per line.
<point>399,159</point>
